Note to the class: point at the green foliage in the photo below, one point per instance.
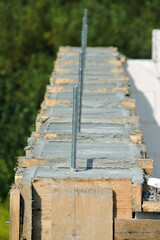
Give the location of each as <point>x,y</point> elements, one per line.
<point>32,31</point>
<point>4,217</point>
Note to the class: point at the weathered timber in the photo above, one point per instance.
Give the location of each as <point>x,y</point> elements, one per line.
<point>122,191</point>
<point>136,229</point>
<point>93,209</point>
<point>14,214</point>
<point>151,206</point>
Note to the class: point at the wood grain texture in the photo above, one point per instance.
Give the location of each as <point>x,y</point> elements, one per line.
<point>136,197</point>
<point>151,206</point>
<point>121,190</point>
<point>41,211</point>
<point>14,214</point>
<point>137,229</point>
<point>26,193</point>
<point>82,213</point>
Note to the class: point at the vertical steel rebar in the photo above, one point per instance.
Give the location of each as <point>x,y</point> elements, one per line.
<point>85,41</point>
<point>82,47</point>
<point>80,89</point>
<point>82,65</point>
<point>85,15</point>
<point>84,35</point>
<point>74,129</point>
<point>77,92</point>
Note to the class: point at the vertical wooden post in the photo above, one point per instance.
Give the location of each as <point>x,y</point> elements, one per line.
<point>14,214</point>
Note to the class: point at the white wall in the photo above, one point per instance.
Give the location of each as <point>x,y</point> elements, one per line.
<point>145,88</point>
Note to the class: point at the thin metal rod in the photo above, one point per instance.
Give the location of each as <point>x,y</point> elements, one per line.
<point>84,35</point>
<point>83,32</point>
<point>82,47</point>
<point>85,43</point>
<point>82,66</point>
<point>80,89</point>
<point>74,129</point>
<point>85,15</point>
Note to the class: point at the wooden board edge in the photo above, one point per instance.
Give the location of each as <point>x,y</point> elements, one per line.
<point>136,197</point>
<point>14,214</point>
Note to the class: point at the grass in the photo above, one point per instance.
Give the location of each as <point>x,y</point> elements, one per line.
<point>4,216</point>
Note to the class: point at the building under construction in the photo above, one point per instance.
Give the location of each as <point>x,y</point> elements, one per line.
<point>84,175</point>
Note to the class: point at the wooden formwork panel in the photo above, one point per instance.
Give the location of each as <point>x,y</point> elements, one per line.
<point>137,229</point>
<point>71,210</point>
<point>66,212</point>
<point>124,199</point>
<point>82,213</point>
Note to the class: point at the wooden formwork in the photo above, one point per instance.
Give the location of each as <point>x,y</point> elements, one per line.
<point>82,209</point>
<point>50,206</point>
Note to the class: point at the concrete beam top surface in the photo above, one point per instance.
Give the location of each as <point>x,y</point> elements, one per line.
<point>90,129</point>
<point>134,174</point>
<point>89,112</point>
<point>104,147</point>
<point>83,163</point>
<point>50,148</point>
<point>90,77</point>
<point>94,96</point>
<point>89,86</point>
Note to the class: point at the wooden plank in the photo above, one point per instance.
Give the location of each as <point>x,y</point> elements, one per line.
<point>29,162</point>
<point>64,80</point>
<point>51,89</point>
<point>129,104</point>
<point>41,210</point>
<point>121,191</point>
<point>113,79</point>
<point>119,70</point>
<point>147,164</point>
<point>136,138</point>
<point>136,197</point>
<point>115,62</point>
<point>137,229</point>
<point>26,193</point>
<point>52,102</point>
<point>14,214</point>
<point>151,206</point>
<point>62,210</point>
<point>82,213</point>
<point>62,70</point>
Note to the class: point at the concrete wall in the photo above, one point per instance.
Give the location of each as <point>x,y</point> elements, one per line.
<point>145,88</point>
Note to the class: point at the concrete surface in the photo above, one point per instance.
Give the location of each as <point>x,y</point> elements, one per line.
<point>104,147</point>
